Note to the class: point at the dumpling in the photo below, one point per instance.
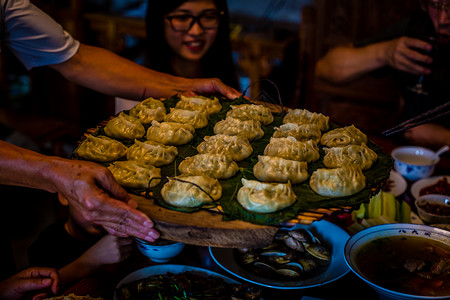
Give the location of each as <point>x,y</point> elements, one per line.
<point>339,182</point>
<point>277,169</point>
<point>191,191</point>
<point>343,136</point>
<point>303,116</point>
<point>197,118</point>
<point>251,112</point>
<point>263,197</point>
<point>290,148</point>
<point>237,147</point>
<point>361,156</point>
<point>148,110</point>
<point>101,149</point>
<point>132,174</point>
<point>152,153</point>
<point>250,129</point>
<point>301,132</point>
<point>218,166</point>
<point>210,105</point>
<point>170,133</point>
<point>124,127</point>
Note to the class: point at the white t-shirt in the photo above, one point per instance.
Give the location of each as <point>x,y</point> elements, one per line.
<point>33,36</point>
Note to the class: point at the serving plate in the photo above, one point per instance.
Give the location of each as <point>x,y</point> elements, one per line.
<point>331,234</point>
<point>163,269</point>
<point>398,184</point>
<point>418,185</point>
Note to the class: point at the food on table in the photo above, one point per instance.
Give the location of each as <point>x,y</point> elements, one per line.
<point>436,208</point>
<point>338,182</point>
<point>148,110</point>
<point>191,191</point>
<point>441,187</point>
<point>407,264</point>
<point>293,255</point>
<point>250,129</point>
<point>237,147</point>
<point>186,285</point>
<point>74,297</point>
<point>302,133</point>
<point>265,197</point>
<point>218,166</point>
<point>197,118</point>
<point>251,112</point>
<point>290,148</point>
<point>278,169</point>
<point>349,135</point>
<point>358,155</point>
<point>133,174</point>
<point>170,133</point>
<point>303,116</point>
<point>101,149</point>
<point>211,106</point>
<point>152,153</point>
<point>124,127</point>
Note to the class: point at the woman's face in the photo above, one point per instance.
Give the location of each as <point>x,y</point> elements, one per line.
<point>193,43</point>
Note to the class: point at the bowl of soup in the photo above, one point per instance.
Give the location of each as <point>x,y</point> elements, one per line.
<point>414,162</point>
<point>402,261</point>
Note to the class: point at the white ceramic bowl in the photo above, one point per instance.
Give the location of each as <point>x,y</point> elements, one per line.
<point>159,251</point>
<point>368,235</point>
<point>414,162</point>
<point>432,199</point>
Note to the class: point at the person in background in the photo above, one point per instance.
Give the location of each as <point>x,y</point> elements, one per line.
<point>404,51</point>
<point>78,248</point>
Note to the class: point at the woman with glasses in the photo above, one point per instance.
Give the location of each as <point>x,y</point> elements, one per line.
<point>416,52</point>
<point>190,39</point>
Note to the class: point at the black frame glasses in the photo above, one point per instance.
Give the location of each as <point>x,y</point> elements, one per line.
<point>186,21</point>
<point>434,6</point>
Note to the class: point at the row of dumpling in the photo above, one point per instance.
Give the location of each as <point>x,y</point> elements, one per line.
<point>217,157</point>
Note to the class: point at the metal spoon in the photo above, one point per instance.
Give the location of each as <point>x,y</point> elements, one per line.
<point>439,152</point>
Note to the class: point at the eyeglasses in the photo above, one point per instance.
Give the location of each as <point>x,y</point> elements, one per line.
<point>435,6</point>
<point>184,22</point>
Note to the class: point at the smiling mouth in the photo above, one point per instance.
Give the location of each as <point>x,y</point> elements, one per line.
<point>196,45</point>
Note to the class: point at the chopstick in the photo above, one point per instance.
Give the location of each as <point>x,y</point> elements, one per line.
<point>425,117</point>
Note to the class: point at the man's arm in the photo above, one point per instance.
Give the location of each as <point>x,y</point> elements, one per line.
<point>108,73</point>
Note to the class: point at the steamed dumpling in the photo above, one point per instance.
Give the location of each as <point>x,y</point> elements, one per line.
<point>251,112</point>
<point>191,191</point>
<point>197,118</point>
<point>263,197</point>
<point>210,105</point>
<point>302,133</point>
<point>132,174</point>
<point>303,116</point>
<point>343,136</point>
<point>290,148</point>
<point>277,169</point>
<point>124,127</point>
<point>152,153</point>
<point>148,110</point>
<point>357,155</point>
<point>218,166</point>
<point>101,149</point>
<point>250,129</point>
<point>170,133</point>
<point>339,182</point>
<point>237,147</point>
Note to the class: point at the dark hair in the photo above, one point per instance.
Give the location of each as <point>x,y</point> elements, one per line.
<point>217,62</point>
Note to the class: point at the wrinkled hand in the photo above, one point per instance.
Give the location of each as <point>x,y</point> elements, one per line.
<point>36,279</point>
<point>402,54</point>
<point>93,190</point>
<point>108,250</point>
<point>430,135</point>
<point>209,86</point>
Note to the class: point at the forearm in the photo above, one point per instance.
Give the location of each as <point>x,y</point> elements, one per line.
<point>344,64</point>
<point>76,270</point>
<point>108,73</point>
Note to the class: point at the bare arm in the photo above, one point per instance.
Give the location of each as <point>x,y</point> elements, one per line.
<point>345,63</point>
<point>86,185</point>
<point>108,73</point>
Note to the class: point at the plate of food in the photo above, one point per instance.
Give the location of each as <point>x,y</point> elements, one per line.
<point>179,282</point>
<point>396,184</point>
<point>292,261</point>
<point>434,185</point>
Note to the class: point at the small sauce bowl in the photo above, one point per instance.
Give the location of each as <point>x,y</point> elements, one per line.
<point>434,209</point>
<point>414,162</point>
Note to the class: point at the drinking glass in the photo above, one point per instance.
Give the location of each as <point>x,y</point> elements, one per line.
<point>419,88</point>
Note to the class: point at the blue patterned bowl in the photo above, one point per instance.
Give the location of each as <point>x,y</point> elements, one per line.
<point>160,251</point>
<point>414,162</point>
